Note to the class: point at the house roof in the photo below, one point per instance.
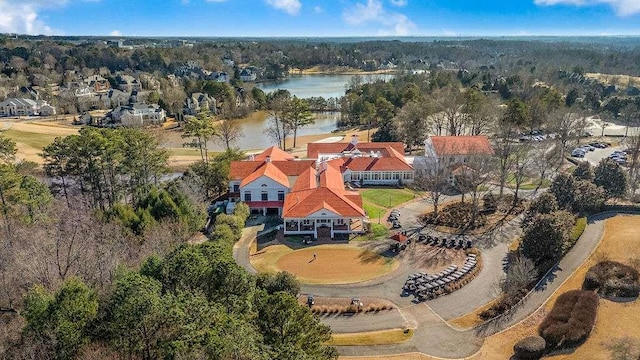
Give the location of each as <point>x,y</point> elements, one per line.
<point>371,164</point>
<point>275,153</point>
<point>386,149</point>
<point>461,145</point>
<point>268,170</point>
<point>306,180</point>
<point>241,169</point>
<point>304,203</point>
<point>331,178</point>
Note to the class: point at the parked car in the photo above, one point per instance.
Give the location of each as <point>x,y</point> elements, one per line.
<point>588,147</point>
<point>578,152</point>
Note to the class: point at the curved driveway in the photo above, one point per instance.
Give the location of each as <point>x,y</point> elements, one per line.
<point>433,335</point>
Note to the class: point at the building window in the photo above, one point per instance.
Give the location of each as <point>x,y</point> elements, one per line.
<point>265,196</point>
<point>306,222</point>
<point>280,195</point>
<point>247,196</point>
<point>236,188</point>
<point>340,221</point>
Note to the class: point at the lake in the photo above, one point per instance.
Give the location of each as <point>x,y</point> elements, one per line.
<point>254,131</point>
<point>305,86</point>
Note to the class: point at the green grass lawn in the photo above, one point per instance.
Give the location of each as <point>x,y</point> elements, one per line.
<point>34,140</point>
<point>374,211</point>
<point>387,198</point>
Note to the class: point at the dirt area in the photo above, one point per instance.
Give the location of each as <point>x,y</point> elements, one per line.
<point>332,264</point>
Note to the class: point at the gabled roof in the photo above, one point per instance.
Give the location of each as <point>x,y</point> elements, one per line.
<point>241,169</point>
<point>270,171</point>
<point>304,203</point>
<point>275,153</point>
<point>331,178</point>
<point>461,145</point>
<point>386,149</point>
<point>306,180</point>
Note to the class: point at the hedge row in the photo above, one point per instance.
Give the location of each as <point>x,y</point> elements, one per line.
<point>571,319</point>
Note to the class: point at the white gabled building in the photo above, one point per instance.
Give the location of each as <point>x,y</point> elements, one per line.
<point>26,107</point>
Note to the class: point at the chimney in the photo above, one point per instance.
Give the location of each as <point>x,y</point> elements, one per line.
<point>252,157</point>
<point>354,139</point>
<point>268,159</point>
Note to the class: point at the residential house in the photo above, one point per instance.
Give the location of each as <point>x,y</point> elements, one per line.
<point>128,83</point>
<point>112,98</point>
<point>247,75</point>
<point>368,163</point>
<point>26,107</point>
<point>138,114</point>
<point>198,101</point>
<point>219,76</point>
<point>388,65</point>
<point>97,83</point>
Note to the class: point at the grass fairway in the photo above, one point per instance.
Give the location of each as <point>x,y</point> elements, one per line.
<point>383,337</point>
<point>333,264</point>
<point>32,139</point>
<point>387,198</point>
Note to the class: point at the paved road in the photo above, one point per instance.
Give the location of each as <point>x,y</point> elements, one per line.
<point>242,248</point>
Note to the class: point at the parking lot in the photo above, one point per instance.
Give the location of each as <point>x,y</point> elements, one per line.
<point>595,156</point>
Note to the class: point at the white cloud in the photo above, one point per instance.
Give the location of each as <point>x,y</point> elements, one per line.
<point>318,10</point>
<point>22,16</point>
<point>291,7</point>
<point>115,33</point>
<point>622,7</point>
<point>373,12</point>
<point>399,3</point>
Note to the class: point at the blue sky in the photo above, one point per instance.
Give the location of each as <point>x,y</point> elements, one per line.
<point>321,17</point>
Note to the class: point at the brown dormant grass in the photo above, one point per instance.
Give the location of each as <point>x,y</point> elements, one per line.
<point>334,264</point>
<point>382,337</point>
<point>615,320</point>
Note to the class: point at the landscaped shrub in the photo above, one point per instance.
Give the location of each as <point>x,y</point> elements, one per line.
<point>458,215</point>
<point>530,348</point>
<point>612,279</point>
<point>571,319</point>
<point>504,303</point>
